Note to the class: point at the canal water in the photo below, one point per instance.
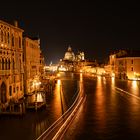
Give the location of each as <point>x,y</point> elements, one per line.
<point>33,124</point>
<point>107,114</point>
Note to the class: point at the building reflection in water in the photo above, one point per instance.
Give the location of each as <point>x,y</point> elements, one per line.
<point>134,87</point>
<point>99,107</point>
<point>57,106</point>
<point>113,82</point>
<point>55,109</point>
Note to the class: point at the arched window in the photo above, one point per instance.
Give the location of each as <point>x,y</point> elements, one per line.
<point>1,36</point>
<point>3,93</point>
<point>13,64</point>
<point>13,40</point>
<point>9,64</point>
<point>6,64</point>
<point>5,39</point>
<point>8,37</point>
<point>10,90</point>
<point>2,64</point>
<point>19,42</point>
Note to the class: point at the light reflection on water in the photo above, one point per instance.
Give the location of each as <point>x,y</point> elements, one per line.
<point>106,113</point>
<point>133,87</point>
<point>99,107</point>
<point>113,82</point>
<point>57,100</point>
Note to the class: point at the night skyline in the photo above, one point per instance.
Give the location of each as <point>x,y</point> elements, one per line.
<point>95,28</point>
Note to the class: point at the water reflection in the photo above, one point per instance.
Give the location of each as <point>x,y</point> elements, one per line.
<point>113,82</point>
<point>57,108</point>
<point>133,87</point>
<point>99,107</point>
<point>81,77</point>
<point>81,84</point>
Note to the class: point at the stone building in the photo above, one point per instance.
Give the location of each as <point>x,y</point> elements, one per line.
<point>33,61</point>
<point>125,64</point>
<point>11,63</point>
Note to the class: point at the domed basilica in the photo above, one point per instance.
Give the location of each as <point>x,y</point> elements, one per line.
<point>71,62</point>
<point>69,55</point>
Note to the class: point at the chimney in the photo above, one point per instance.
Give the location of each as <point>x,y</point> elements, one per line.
<point>16,23</point>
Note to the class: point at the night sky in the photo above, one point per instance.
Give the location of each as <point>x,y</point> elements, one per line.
<point>95,28</point>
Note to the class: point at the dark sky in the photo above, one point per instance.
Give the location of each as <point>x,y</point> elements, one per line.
<point>95,28</point>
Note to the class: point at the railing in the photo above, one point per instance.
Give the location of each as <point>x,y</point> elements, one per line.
<point>5,72</point>
<point>63,118</point>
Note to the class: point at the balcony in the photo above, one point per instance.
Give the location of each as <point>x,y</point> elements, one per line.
<point>5,72</point>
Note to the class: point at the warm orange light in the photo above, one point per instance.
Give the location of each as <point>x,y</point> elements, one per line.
<point>59,82</point>
<point>134,84</point>
<point>58,74</point>
<point>39,97</point>
<point>113,74</point>
<point>81,77</point>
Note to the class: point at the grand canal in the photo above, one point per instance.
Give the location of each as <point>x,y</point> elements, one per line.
<point>106,113</point>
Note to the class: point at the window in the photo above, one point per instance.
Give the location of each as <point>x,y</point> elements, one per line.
<point>131,61</point>
<point>8,37</point>
<point>17,89</point>
<point>14,90</point>
<point>13,64</point>
<point>6,64</point>
<point>1,36</point>
<point>13,40</point>
<point>19,42</point>
<point>9,64</point>
<point>132,69</point>
<point>2,64</point>
<point>10,90</point>
<point>5,39</point>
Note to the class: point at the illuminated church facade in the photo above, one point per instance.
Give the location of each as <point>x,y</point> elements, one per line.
<point>70,56</point>
<point>71,62</point>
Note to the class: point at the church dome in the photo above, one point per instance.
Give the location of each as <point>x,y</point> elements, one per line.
<point>69,55</point>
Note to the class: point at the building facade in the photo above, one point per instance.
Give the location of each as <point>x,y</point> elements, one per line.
<point>11,63</point>
<point>128,68</point>
<point>32,61</point>
<point>71,62</point>
<point>69,55</point>
<point>125,65</point>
